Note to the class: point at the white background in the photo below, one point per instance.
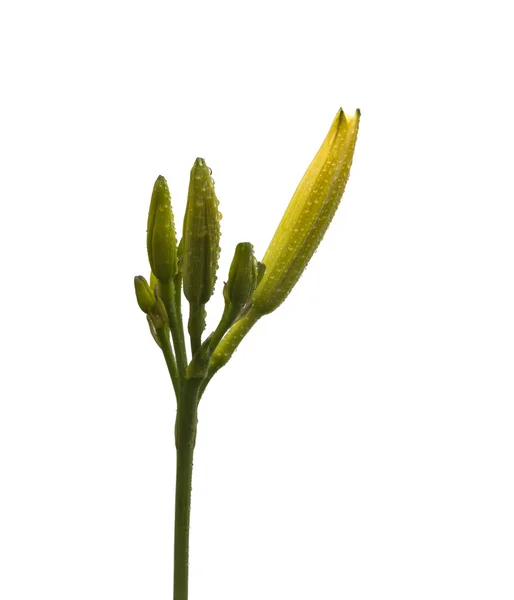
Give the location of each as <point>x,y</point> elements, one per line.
<point>360,444</point>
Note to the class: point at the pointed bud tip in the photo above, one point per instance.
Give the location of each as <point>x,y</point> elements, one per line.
<point>342,116</point>
<point>356,116</point>
<point>201,169</point>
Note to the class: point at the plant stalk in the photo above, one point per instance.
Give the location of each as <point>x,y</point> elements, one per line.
<point>185,437</point>
<point>168,295</point>
<point>196,326</point>
<point>167,350</point>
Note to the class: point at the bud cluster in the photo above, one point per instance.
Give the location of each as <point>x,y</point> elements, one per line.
<point>253,288</point>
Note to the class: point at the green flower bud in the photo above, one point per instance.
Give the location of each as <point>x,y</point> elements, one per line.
<point>150,302</point>
<point>201,236</point>
<point>144,295</point>
<point>242,278</point>
<point>161,239</point>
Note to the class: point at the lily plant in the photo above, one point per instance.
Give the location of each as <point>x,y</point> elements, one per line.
<point>253,289</point>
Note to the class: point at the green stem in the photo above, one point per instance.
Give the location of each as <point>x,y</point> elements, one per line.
<point>168,295</point>
<point>167,350</point>
<point>228,345</point>
<point>185,437</point>
<point>196,326</point>
<point>177,282</point>
<point>224,325</point>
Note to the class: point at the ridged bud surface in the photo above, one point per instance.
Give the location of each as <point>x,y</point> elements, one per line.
<point>161,239</point>
<point>201,236</point>
<point>242,278</point>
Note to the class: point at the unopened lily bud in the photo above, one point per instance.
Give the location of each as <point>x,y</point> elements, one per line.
<point>201,236</point>
<point>158,313</point>
<point>242,278</point>
<point>308,215</point>
<point>161,238</point>
<point>150,302</point>
<point>144,294</point>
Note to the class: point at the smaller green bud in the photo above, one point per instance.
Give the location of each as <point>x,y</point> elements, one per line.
<point>242,278</point>
<point>158,314</point>
<point>150,302</point>
<point>201,236</point>
<point>144,295</point>
<point>161,239</point>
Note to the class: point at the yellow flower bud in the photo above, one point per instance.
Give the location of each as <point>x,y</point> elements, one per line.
<point>300,231</point>
<point>201,236</point>
<point>308,215</point>
<point>161,239</point>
